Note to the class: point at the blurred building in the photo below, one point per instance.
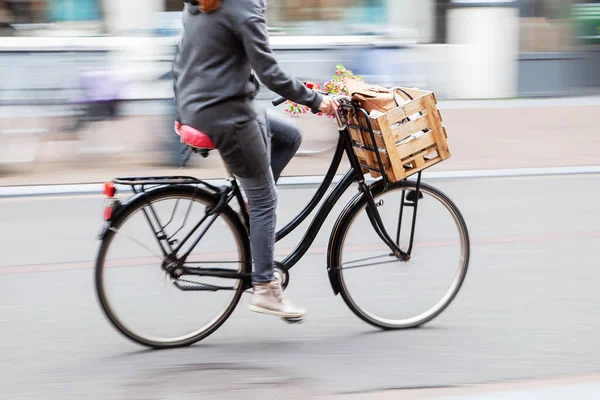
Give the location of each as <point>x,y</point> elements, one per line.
<point>44,11</point>
<point>545,25</point>
<point>501,48</point>
<point>303,17</point>
<point>460,49</point>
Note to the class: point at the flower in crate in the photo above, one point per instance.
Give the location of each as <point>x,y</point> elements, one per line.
<point>335,86</point>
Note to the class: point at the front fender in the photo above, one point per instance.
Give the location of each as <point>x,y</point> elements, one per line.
<point>340,226</point>
<point>117,210</point>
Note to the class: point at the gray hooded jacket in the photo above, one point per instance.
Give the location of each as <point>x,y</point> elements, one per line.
<point>213,80</point>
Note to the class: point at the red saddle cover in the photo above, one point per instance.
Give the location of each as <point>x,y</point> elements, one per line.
<point>193,137</point>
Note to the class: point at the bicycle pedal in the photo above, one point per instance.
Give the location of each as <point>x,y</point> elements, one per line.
<point>295,320</point>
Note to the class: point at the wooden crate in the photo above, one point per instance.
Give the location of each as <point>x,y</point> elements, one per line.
<point>409,138</point>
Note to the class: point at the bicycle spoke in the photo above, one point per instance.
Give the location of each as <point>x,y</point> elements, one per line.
<point>138,243</point>
<point>172,215</point>
<point>213,262</point>
<point>368,258</point>
<point>158,234</point>
<point>369,264</point>
<point>187,213</point>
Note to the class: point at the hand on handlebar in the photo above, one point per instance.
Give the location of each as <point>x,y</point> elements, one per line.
<point>329,105</point>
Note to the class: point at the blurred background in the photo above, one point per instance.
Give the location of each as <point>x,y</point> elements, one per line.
<point>86,96</point>
<point>87,82</point>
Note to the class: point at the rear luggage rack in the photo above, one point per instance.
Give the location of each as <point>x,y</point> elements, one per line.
<point>140,184</point>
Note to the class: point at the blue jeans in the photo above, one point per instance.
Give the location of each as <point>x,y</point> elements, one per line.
<point>282,140</point>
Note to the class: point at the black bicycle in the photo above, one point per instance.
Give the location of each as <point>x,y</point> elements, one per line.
<point>178,234</point>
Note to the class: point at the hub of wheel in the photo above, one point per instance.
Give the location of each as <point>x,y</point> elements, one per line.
<point>178,272</point>
<point>174,270</point>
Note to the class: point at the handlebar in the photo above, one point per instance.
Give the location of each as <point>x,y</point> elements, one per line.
<point>280,100</point>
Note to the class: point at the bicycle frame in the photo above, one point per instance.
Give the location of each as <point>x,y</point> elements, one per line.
<point>353,175</point>
<point>227,193</point>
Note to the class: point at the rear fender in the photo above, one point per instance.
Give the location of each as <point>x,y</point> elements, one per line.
<point>134,201</point>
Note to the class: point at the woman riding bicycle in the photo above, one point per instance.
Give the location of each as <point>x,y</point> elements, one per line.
<point>222,43</point>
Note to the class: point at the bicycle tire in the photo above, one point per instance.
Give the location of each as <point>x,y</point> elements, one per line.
<point>152,196</point>
<point>340,232</point>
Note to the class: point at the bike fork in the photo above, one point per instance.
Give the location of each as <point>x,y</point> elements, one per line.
<point>377,223</point>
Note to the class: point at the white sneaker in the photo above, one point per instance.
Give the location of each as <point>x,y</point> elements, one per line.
<point>269,299</point>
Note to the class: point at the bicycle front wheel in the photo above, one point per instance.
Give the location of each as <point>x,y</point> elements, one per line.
<point>376,285</point>
<point>140,298</point>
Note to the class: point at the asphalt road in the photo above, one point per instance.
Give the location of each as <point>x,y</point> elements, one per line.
<point>528,308</point>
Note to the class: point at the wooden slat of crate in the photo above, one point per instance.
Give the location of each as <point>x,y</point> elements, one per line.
<point>405,111</point>
<point>381,147</point>
<point>385,161</point>
<point>408,158</point>
<point>425,165</point>
<point>411,127</point>
<point>438,131</point>
<point>419,154</point>
<point>360,153</point>
<point>356,135</point>
<point>377,133</point>
<point>365,156</point>
<point>418,160</point>
<point>362,158</point>
<point>354,132</point>
<point>366,139</point>
<point>414,92</point>
<point>397,169</point>
<point>394,170</point>
<point>415,145</point>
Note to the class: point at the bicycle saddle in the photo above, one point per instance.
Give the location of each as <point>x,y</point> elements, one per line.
<point>193,137</point>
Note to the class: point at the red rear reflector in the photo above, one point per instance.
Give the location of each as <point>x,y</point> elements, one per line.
<point>310,85</point>
<point>109,189</point>
<point>107,213</point>
<point>109,206</point>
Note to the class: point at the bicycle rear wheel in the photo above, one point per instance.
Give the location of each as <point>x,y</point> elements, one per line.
<point>141,299</point>
<point>376,285</point>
